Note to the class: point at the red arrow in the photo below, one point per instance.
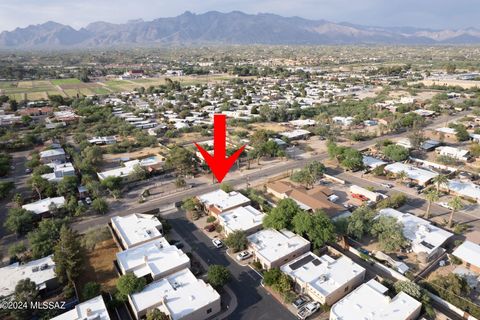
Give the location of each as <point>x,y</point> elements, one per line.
<point>219,163</point>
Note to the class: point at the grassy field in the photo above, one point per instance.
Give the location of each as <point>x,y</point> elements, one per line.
<point>60,82</point>
<point>40,89</point>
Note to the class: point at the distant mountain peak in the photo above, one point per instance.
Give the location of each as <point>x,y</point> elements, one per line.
<point>234,27</point>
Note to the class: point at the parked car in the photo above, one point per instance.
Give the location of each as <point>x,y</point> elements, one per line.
<point>387,185</point>
<point>217,243</point>
<point>28,170</point>
<point>300,302</point>
<point>307,310</point>
<point>88,200</point>
<point>243,255</point>
<point>445,205</point>
<point>359,196</point>
<point>209,228</point>
<point>178,244</point>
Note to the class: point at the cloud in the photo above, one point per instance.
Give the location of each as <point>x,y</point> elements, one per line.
<point>424,13</point>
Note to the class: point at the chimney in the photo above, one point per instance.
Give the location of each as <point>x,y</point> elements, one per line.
<point>89,312</point>
<point>145,258</point>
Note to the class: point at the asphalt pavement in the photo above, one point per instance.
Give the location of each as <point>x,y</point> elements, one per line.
<point>254,303</point>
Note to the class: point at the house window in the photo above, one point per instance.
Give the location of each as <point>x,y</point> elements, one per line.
<point>209,310</point>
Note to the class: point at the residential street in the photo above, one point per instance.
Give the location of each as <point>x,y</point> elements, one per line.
<point>253,301</point>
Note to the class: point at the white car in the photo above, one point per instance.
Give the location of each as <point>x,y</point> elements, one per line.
<point>243,255</point>
<point>445,205</point>
<point>387,185</point>
<point>308,309</point>
<point>217,243</point>
<point>88,200</point>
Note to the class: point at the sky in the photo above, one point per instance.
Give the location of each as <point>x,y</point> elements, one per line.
<point>436,14</point>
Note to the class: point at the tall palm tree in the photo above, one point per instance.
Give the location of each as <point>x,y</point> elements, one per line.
<point>431,196</point>
<point>439,180</point>
<point>455,205</point>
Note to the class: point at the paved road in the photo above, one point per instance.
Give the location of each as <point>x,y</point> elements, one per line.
<point>254,303</point>
<point>235,179</point>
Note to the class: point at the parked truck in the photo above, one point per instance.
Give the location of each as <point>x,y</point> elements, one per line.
<point>362,193</point>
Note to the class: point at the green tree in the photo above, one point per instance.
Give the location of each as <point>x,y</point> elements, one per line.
<point>455,205</point>
<point>191,204</point>
<point>389,233</point>
<point>5,188</point>
<point>67,186</point>
<point>440,180</point>
<point>26,292</point>
<point>360,222</point>
<point>271,277</point>
<point>396,153</point>
<point>237,240</point>
<point>281,216</point>
<point>218,275</point>
<point>44,237</point>
<point>317,227</point>
<point>139,173</point>
<point>90,290</point>
<point>68,257</point>
<point>19,220</point>
<point>431,196</point>
<point>129,284</point>
<point>92,155</point>
<point>100,206</point>
<point>181,160</point>
<point>226,187</point>
<point>112,183</point>
<point>156,314</point>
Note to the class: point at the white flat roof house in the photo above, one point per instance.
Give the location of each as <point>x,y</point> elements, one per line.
<point>103,140</point>
<point>94,309</point>
<point>42,206</point>
<point>136,229</point>
<point>179,295</point>
<point>219,201</point>
<point>41,271</point>
<point>456,153</point>
<point>129,167</point>
<point>156,258</point>
<point>424,236</point>
<point>469,253</point>
<point>421,176</point>
<point>60,170</point>
<point>324,278</point>
<point>296,134</point>
<point>369,301</point>
<point>372,162</point>
<point>464,189</point>
<point>246,219</point>
<point>274,248</point>
<point>52,155</point>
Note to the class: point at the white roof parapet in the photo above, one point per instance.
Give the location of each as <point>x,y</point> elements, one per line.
<point>137,228</point>
<point>94,309</point>
<point>324,274</point>
<point>157,258</point>
<point>39,271</point>
<point>370,302</point>
<point>424,236</point>
<point>178,295</point>
<point>273,245</point>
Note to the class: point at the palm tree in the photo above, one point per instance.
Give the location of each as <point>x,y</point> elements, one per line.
<point>402,175</point>
<point>439,180</point>
<point>431,196</point>
<point>455,205</point>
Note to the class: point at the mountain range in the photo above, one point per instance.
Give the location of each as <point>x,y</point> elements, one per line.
<point>226,28</point>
